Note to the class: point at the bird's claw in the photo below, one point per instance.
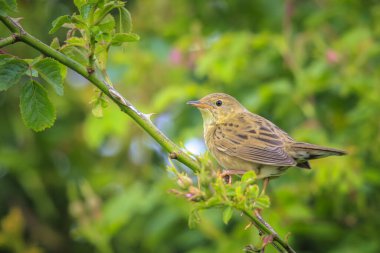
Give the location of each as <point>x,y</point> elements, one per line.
<point>227,175</point>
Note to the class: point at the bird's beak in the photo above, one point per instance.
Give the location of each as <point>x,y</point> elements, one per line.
<point>199,104</point>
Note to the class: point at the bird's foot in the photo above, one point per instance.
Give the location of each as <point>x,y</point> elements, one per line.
<point>227,175</point>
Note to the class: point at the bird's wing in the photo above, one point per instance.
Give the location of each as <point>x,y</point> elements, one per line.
<point>253,139</point>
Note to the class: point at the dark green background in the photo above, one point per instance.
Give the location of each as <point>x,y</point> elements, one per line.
<point>90,184</point>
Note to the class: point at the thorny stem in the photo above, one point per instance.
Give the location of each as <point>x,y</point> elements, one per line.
<point>261,219</point>
<point>279,243</point>
<point>19,34</point>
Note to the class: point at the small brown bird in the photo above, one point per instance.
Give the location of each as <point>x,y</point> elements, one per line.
<point>240,140</point>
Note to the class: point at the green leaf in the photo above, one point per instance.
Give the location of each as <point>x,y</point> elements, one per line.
<point>76,41</point>
<point>120,38</point>
<point>55,44</point>
<point>37,111</point>
<point>7,6</point>
<point>11,72</point>
<point>194,218</point>
<point>213,201</point>
<point>5,58</point>
<point>252,191</point>
<point>79,22</point>
<point>227,214</point>
<point>101,36</point>
<point>102,11</point>
<point>50,71</point>
<point>97,110</point>
<point>262,202</point>
<point>108,24</point>
<point>104,39</point>
<point>86,9</point>
<point>125,21</point>
<point>239,192</point>
<point>79,3</point>
<point>59,22</point>
<point>99,104</point>
<point>32,72</point>
<point>77,54</point>
<point>101,52</point>
<point>249,177</point>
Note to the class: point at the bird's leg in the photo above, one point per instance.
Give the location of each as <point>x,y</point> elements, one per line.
<point>226,176</point>
<point>265,185</point>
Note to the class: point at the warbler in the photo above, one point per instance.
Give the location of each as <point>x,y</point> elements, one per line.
<point>241,141</point>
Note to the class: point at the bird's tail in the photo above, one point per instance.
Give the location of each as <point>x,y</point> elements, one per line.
<point>310,151</point>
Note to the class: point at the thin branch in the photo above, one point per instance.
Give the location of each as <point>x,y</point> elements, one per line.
<point>139,117</point>
<point>277,241</point>
<point>8,40</point>
<point>261,219</point>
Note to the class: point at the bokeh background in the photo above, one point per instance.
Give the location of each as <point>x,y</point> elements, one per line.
<point>100,185</point>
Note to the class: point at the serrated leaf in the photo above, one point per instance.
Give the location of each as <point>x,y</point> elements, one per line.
<point>31,72</point>
<point>125,21</point>
<point>120,38</point>
<point>7,6</point>
<point>78,54</point>
<point>37,112</point>
<point>5,58</point>
<point>76,41</point>
<point>50,71</point>
<point>55,44</point>
<point>59,22</point>
<point>227,214</point>
<point>11,72</point>
<point>249,177</point>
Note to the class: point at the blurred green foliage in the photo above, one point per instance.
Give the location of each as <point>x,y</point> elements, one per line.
<point>99,184</point>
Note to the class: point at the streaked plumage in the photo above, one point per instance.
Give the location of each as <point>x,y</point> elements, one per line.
<point>240,140</point>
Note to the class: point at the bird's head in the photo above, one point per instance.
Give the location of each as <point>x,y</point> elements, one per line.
<point>217,107</point>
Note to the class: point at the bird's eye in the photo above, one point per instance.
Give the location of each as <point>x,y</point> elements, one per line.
<point>218,103</point>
